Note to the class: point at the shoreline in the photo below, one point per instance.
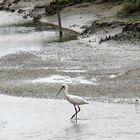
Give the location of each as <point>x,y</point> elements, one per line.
<point>88,50</point>
<point>104,23</point>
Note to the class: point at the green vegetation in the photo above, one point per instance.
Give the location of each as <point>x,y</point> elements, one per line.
<point>136,2</point>
<point>69,36</point>
<point>62,2</point>
<point>131,8</point>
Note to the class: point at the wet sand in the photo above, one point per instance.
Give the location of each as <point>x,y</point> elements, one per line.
<point>105,72</point>
<point>33,66</point>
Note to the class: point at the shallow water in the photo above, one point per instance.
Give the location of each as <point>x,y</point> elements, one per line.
<point>41,119</point>
<point>16,35</point>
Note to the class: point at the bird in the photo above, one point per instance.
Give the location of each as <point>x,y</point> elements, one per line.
<point>73,99</point>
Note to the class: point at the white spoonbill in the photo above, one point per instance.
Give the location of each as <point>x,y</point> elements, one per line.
<point>75,100</point>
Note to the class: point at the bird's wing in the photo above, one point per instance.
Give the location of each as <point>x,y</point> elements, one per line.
<point>77,100</point>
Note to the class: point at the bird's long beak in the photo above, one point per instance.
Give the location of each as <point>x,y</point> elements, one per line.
<point>60,90</point>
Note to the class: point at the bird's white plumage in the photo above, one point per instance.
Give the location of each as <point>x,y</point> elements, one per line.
<point>73,99</point>
<point>76,100</point>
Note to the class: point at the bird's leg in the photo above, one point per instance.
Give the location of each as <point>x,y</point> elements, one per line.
<point>75,112</point>
<point>78,109</point>
<point>76,116</point>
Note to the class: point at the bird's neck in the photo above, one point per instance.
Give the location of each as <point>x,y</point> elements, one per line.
<point>66,92</point>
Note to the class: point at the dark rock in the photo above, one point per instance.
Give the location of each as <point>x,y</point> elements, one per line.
<point>114,25</point>
<point>36,18</point>
<point>138,28</point>
<point>21,11</point>
<point>84,27</point>
<point>118,3</point>
<point>1,7</point>
<point>16,1</point>
<point>39,6</point>
<point>77,1</point>
<point>50,10</point>
<point>12,10</point>
<point>99,1</point>
<point>25,16</point>
<point>9,4</point>
<point>6,8</point>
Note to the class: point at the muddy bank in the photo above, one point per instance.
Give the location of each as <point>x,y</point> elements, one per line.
<point>115,30</point>
<point>35,11</point>
<point>104,23</point>
<point>32,9</point>
<point>42,8</point>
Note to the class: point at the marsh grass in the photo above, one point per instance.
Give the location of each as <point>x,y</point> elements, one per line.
<point>68,36</point>
<point>131,10</point>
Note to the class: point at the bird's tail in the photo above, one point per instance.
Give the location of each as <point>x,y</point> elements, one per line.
<point>86,102</point>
